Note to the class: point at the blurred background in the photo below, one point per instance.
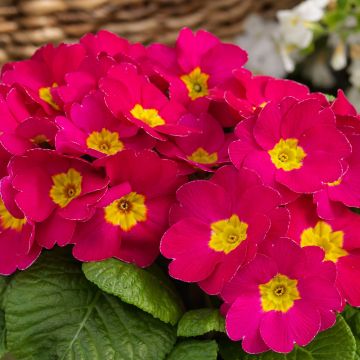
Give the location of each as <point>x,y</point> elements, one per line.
<point>27,24</point>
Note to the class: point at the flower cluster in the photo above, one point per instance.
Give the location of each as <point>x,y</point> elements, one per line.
<point>100,141</point>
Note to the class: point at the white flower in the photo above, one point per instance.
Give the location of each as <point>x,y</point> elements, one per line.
<point>259,39</point>
<point>338,59</point>
<point>296,24</point>
<point>289,56</point>
<point>354,71</point>
<point>353,95</point>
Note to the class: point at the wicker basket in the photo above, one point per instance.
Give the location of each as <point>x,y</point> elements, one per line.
<point>27,24</point>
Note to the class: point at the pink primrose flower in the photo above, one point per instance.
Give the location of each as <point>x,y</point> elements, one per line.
<point>93,130</point>
<point>338,238</point>
<point>41,75</point>
<point>198,63</point>
<point>54,192</point>
<point>129,94</point>
<point>217,226</point>
<point>131,218</point>
<point>285,296</point>
<point>293,145</point>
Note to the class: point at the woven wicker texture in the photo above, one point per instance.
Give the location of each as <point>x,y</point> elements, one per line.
<point>27,24</point>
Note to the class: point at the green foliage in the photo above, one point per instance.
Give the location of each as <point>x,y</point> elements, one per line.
<point>200,322</point>
<point>53,312</point>
<point>139,287</point>
<point>3,285</point>
<point>2,334</point>
<point>337,343</point>
<point>194,350</point>
<point>352,317</point>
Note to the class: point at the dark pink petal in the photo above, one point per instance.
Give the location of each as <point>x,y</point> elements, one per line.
<point>145,171</point>
<point>96,240</point>
<point>277,89</point>
<point>187,243</point>
<point>316,266</point>
<point>320,292</point>
<point>328,319</point>
<point>140,245</point>
<point>191,47</point>
<point>280,219</point>
<point>267,127</point>
<point>205,200</point>
<point>288,256</point>
<point>318,167</point>
<point>326,208</point>
<point>221,60</point>
<point>348,278</point>
<point>13,254</point>
<point>275,331</point>
<point>304,116</point>
<point>235,181</point>
<point>323,138</point>
<point>244,317</point>
<point>31,199</point>
<point>247,280</point>
<point>8,197</point>
<point>257,199</point>
<point>225,270</point>
<point>104,41</point>
<point>54,230</point>
<point>303,322</point>
<point>342,106</point>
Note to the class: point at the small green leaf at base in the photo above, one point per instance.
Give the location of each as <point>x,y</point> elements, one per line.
<point>137,287</point>
<point>2,334</point>
<point>352,317</point>
<point>200,322</point>
<point>194,350</point>
<point>337,343</point>
<point>53,312</point>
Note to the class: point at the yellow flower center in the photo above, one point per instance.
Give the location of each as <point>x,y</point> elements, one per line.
<point>66,187</point>
<point>228,234</point>
<point>263,104</point>
<point>105,141</point>
<point>287,154</point>
<point>196,83</point>
<point>148,116</point>
<point>330,241</point>
<point>335,183</point>
<point>279,294</point>
<point>127,211</point>
<point>8,221</point>
<point>40,140</point>
<point>45,94</point>
<point>201,156</point>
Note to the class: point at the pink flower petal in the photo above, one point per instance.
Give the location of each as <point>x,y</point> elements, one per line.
<point>274,329</point>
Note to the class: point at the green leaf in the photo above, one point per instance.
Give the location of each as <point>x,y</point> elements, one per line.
<point>329,97</point>
<point>2,334</point>
<point>136,286</point>
<point>194,350</point>
<point>53,312</point>
<point>334,18</point>
<point>336,343</point>
<point>200,322</point>
<point>4,280</point>
<point>352,317</point>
